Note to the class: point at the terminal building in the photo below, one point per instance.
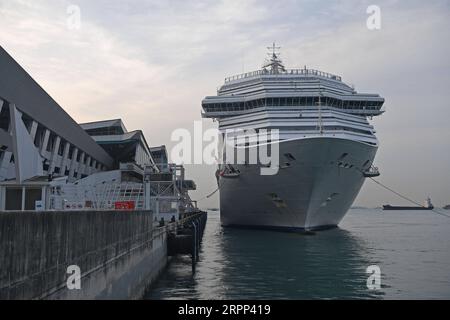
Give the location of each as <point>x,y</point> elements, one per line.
<point>45,154</point>
<point>121,145</point>
<point>37,137</point>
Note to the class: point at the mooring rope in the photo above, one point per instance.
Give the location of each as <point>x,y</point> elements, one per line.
<point>406,198</point>
<point>362,172</point>
<point>220,184</point>
<point>209,195</point>
<point>398,193</point>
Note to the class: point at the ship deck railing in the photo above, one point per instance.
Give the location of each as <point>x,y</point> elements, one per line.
<point>263,72</point>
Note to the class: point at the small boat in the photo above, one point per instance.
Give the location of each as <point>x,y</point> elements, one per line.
<point>428,206</point>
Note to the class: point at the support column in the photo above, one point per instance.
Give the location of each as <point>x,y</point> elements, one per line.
<point>73,163</point>
<point>33,130</point>
<point>174,180</point>
<point>27,161</point>
<point>65,158</point>
<point>44,198</point>
<point>2,198</point>
<point>23,199</point>
<point>5,165</point>
<point>54,155</point>
<point>94,166</point>
<point>81,164</point>
<point>87,166</point>
<point>147,190</point>
<point>43,147</point>
<point>5,159</point>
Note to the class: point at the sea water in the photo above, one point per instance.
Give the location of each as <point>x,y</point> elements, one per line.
<point>410,248</point>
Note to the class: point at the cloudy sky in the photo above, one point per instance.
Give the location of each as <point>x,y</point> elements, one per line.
<point>152,62</point>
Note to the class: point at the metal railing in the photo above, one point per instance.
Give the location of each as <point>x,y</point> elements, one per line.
<point>303,72</point>
<point>98,197</point>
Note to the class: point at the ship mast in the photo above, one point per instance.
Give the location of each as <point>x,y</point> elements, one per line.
<point>274,63</point>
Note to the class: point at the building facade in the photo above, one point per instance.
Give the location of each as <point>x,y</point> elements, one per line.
<point>123,146</point>
<point>42,146</point>
<point>37,137</point>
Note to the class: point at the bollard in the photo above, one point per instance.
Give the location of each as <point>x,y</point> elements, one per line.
<point>194,247</point>
<point>199,239</point>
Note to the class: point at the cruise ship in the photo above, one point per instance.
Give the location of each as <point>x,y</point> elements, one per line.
<point>326,146</point>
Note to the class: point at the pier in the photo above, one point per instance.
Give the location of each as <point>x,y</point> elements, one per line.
<point>187,236</point>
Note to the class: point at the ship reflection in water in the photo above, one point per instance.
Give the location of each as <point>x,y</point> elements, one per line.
<point>251,264</point>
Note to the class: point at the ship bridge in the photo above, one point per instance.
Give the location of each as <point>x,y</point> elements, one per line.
<point>276,86</point>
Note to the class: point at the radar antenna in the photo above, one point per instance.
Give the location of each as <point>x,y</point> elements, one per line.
<point>274,63</point>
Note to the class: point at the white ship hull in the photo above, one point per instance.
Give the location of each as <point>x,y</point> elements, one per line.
<point>314,192</point>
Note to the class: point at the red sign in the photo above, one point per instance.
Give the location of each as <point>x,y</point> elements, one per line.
<point>124,205</point>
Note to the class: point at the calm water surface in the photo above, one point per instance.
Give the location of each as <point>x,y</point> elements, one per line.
<point>412,248</point>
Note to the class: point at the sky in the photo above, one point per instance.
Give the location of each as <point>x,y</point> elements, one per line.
<point>152,62</point>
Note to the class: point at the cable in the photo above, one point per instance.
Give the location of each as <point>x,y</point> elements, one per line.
<point>406,198</point>
<point>399,194</point>
<point>220,184</point>
<point>208,196</point>
<point>362,172</point>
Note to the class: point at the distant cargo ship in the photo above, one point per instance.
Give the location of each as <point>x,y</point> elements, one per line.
<point>428,206</point>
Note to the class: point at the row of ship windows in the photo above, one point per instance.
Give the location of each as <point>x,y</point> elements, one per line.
<point>293,102</point>
<point>326,128</point>
<point>312,128</point>
<point>276,80</point>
